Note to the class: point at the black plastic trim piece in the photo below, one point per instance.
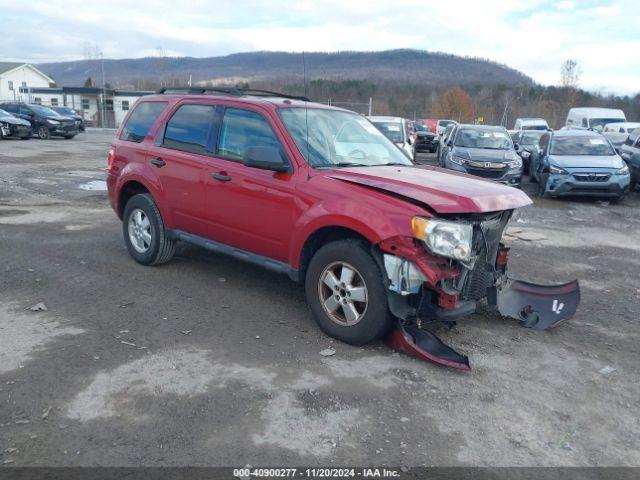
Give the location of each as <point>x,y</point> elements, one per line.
<point>265,262</point>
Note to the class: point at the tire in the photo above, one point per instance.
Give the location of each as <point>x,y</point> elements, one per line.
<point>43,133</point>
<point>374,320</point>
<point>154,249</point>
<point>633,185</point>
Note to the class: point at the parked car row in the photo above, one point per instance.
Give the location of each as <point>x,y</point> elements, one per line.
<point>22,120</point>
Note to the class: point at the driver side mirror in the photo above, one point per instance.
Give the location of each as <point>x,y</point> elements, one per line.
<point>266,158</point>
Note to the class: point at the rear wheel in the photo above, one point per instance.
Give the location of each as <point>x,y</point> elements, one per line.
<point>144,232</point>
<point>345,293</point>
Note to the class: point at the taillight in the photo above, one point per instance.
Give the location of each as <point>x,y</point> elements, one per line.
<point>111,158</point>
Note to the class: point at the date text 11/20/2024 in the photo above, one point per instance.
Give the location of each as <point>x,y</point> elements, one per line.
<point>245,473</point>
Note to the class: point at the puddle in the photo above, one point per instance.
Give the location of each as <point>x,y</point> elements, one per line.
<point>96,185</point>
<point>24,332</point>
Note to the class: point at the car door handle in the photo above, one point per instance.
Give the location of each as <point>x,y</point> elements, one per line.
<point>158,162</point>
<point>222,176</point>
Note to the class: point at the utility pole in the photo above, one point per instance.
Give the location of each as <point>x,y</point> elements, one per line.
<point>370,105</point>
<point>104,90</point>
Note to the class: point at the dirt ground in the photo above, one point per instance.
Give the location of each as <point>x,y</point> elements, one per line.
<point>208,361</point>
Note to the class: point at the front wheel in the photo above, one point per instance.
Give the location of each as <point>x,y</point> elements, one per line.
<point>144,232</point>
<point>44,133</point>
<point>346,294</point>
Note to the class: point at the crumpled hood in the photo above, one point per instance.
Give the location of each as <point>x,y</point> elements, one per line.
<point>442,190</point>
<point>14,120</point>
<point>484,154</point>
<point>586,161</point>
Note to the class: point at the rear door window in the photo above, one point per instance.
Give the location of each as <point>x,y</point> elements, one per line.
<point>191,128</point>
<point>141,120</point>
<point>241,129</point>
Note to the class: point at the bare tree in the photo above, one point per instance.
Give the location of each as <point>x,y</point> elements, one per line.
<point>569,82</point>
<point>569,74</point>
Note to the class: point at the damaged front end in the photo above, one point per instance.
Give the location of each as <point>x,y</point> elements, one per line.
<point>426,289</point>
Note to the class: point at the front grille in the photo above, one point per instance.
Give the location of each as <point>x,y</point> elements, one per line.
<point>486,173</point>
<point>486,240</point>
<point>592,177</point>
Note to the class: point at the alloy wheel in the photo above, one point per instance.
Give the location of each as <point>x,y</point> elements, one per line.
<point>139,230</point>
<point>343,293</point>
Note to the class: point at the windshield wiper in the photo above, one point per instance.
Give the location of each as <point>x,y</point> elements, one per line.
<point>394,164</point>
<point>341,165</point>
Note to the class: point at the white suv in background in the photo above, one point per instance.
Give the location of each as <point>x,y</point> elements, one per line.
<point>397,130</point>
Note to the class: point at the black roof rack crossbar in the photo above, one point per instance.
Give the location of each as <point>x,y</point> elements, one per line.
<point>228,91</point>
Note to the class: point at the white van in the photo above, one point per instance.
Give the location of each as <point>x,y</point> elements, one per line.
<point>531,124</point>
<point>593,118</point>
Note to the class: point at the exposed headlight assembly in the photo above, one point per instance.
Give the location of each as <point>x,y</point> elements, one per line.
<point>623,171</point>
<point>441,237</point>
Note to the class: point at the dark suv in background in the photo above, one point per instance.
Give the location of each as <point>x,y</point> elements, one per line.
<point>484,151</point>
<point>70,112</point>
<point>45,123</point>
<point>630,153</point>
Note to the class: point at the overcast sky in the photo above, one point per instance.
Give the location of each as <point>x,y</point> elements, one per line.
<point>533,36</point>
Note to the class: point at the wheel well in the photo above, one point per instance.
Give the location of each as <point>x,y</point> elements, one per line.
<point>321,237</point>
<point>127,191</point>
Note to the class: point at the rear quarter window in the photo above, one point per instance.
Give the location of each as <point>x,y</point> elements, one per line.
<point>140,121</point>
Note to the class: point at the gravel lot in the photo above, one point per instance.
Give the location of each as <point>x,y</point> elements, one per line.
<point>208,361</point>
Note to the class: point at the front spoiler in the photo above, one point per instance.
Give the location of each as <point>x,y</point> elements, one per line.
<point>540,307</point>
<point>422,344</point>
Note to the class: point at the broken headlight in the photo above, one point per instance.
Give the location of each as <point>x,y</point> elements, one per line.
<point>441,237</point>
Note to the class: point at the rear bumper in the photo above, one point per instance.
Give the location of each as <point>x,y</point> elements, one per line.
<point>567,185</point>
<point>426,144</point>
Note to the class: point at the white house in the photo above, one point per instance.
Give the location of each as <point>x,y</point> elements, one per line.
<point>14,76</point>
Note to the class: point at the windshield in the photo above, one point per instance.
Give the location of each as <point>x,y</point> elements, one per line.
<point>491,139</point>
<point>43,111</point>
<point>335,138</point>
<point>601,122</point>
<point>534,127</point>
<point>391,130</point>
<point>421,128</point>
<point>531,137</point>
<point>445,123</point>
<point>581,146</point>
<point>66,110</point>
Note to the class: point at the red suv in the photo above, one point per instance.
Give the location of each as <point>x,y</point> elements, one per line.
<point>319,194</point>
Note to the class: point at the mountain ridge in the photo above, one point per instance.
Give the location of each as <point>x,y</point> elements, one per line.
<point>435,69</point>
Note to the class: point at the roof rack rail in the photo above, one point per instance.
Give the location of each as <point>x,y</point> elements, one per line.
<point>229,91</point>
